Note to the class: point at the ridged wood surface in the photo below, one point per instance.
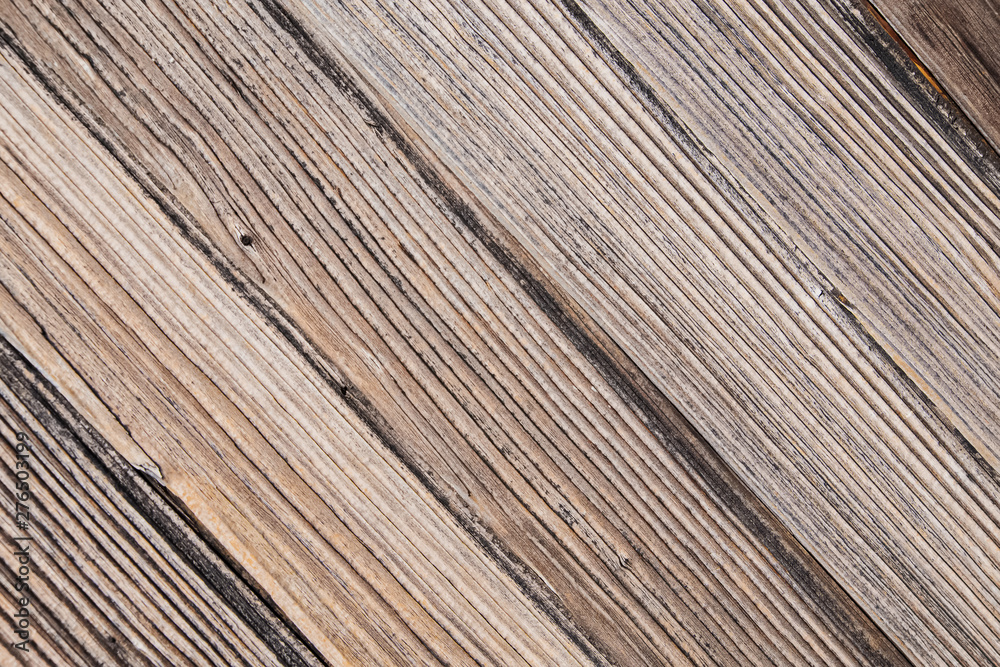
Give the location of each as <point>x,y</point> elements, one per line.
<point>955,40</point>
<point>511,332</point>
<point>111,573</point>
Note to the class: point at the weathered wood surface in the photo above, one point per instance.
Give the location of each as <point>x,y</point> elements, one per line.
<point>513,332</point>
<point>956,40</point>
<point>112,574</point>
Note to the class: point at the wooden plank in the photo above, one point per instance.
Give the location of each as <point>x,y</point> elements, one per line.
<point>779,235</point>
<point>954,39</point>
<point>243,270</point>
<point>106,572</point>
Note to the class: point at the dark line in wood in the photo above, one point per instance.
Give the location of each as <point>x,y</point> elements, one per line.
<point>714,472</point>
<point>61,419</point>
<point>514,567</point>
<point>687,142</point>
<point>906,49</point>
<point>53,469</point>
<point>964,137</point>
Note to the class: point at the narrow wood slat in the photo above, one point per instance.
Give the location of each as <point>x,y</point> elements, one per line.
<point>956,41</point>
<point>785,236</point>
<point>237,265</point>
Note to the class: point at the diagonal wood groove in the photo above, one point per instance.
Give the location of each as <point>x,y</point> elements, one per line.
<point>59,419</point>
<point>514,332</point>
<point>803,570</point>
<point>622,375</point>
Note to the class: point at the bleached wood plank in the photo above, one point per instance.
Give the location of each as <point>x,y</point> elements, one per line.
<point>240,493</point>
<point>790,246</point>
<point>111,574</point>
<point>249,279</point>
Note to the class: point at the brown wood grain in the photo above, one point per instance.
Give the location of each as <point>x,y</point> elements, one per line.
<point>107,572</point>
<point>956,40</point>
<point>509,331</point>
<point>264,293</point>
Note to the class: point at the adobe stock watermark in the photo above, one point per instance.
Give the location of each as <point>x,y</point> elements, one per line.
<point>22,542</point>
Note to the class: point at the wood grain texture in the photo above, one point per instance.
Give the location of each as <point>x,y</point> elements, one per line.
<point>956,41</point>
<point>520,332</point>
<point>112,574</point>
<point>718,217</point>
<point>232,258</point>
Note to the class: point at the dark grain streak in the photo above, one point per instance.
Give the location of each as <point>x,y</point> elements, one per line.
<point>61,419</point>
<point>716,475</point>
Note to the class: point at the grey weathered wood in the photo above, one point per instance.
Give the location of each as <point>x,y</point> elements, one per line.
<point>525,332</point>
<point>783,238</point>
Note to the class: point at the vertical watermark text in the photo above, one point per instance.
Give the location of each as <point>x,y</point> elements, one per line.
<point>22,541</point>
